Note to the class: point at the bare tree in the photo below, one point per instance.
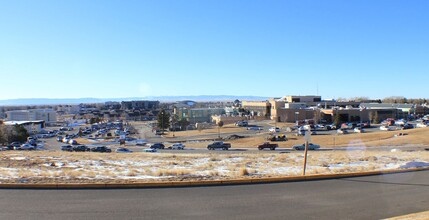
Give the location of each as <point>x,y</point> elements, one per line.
<point>219,125</point>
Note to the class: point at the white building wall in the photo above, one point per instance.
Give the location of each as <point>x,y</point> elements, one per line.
<point>18,115</point>
<point>47,115</point>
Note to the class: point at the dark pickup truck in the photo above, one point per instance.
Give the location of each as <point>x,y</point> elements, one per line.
<point>81,148</point>
<point>101,149</point>
<point>219,145</point>
<point>268,145</point>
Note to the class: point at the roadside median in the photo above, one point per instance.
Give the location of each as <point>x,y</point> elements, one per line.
<point>240,181</point>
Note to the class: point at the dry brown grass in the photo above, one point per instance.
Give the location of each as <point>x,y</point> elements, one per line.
<point>173,172</point>
<point>81,166</point>
<point>418,136</point>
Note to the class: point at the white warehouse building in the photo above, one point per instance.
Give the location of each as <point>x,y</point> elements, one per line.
<point>32,127</point>
<point>47,115</point>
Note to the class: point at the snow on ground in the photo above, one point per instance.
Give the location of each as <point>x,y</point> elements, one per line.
<point>18,158</point>
<point>414,164</point>
<point>167,166</point>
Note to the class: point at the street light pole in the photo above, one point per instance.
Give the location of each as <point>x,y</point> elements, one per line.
<point>174,123</point>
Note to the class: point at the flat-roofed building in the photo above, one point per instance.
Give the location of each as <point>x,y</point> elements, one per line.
<point>257,108</point>
<point>307,98</point>
<point>32,127</point>
<point>140,105</point>
<point>195,115</point>
<point>47,115</point>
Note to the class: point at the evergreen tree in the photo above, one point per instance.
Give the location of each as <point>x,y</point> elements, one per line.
<point>20,133</point>
<point>163,119</point>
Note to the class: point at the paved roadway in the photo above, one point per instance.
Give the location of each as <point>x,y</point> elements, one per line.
<point>373,197</point>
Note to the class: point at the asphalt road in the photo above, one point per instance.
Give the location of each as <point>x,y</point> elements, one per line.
<point>373,197</point>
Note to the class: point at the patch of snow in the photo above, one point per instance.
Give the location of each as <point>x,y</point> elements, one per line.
<point>18,158</point>
<point>283,170</point>
<point>414,164</point>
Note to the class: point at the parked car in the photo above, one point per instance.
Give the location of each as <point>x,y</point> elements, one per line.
<point>60,138</point>
<point>81,148</point>
<point>101,149</point>
<point>310,147</point>
<point>241,123</point>
<point>364,125</point>
<point>400,122</point>
<point>66,139</point>
<point>68,148</point>
<point>123,150</point>
<point>358,130</point>
<point>140,143</point>
<point>319,127</point>
<point>150,150</point>
<point>25,147</point>
<point>274,129</point>
<point>331,127</point>
<point>157,146</point>
<point>219,145</point>
<point>421,125</point>
<point>387,128</point>
<point>72,142</point>
<point>268,145</point>
<point>388,122</point>
<point>407,126</point>
<point>342,131</point>
<point>14,145</point>
<point>159,132</point>
<point>177,146</point>
<point>254,128</point>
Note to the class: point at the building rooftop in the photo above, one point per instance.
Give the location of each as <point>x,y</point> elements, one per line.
<point>21,122</point>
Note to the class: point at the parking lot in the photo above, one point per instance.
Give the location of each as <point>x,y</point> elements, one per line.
<point>243,139</point>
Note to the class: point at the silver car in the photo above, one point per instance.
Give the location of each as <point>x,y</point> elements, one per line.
<point>310,147</point>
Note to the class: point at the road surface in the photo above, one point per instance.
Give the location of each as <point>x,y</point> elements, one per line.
<point>371,197</point>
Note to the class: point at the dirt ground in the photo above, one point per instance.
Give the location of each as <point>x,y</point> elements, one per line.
<point>418,136</point>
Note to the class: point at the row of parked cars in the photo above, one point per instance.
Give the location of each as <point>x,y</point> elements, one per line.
<point>176,146</point>
<point>267,145</point>
<point>68,139</point>
<point>101,149</point>
<point>32,145</point>
<point>83,148</point>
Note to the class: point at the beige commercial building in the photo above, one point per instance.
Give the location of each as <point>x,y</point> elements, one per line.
<point>308,98</point>
<point>257,108</point>
<point>298,108</point>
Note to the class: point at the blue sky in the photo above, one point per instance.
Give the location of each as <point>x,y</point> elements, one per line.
<point>113,49</point>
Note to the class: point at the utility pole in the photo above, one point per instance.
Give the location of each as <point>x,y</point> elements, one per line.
<point>307,139</point>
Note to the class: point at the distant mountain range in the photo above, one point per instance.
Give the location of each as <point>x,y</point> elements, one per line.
<point>201,98</point>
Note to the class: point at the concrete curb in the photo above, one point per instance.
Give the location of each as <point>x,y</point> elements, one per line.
<point>201,183</point>
<point>414,216</point>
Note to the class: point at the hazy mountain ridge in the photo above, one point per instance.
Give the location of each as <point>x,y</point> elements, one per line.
<point>48,101</point>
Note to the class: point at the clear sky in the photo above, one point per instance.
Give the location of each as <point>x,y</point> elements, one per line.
<point>113,49</point>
